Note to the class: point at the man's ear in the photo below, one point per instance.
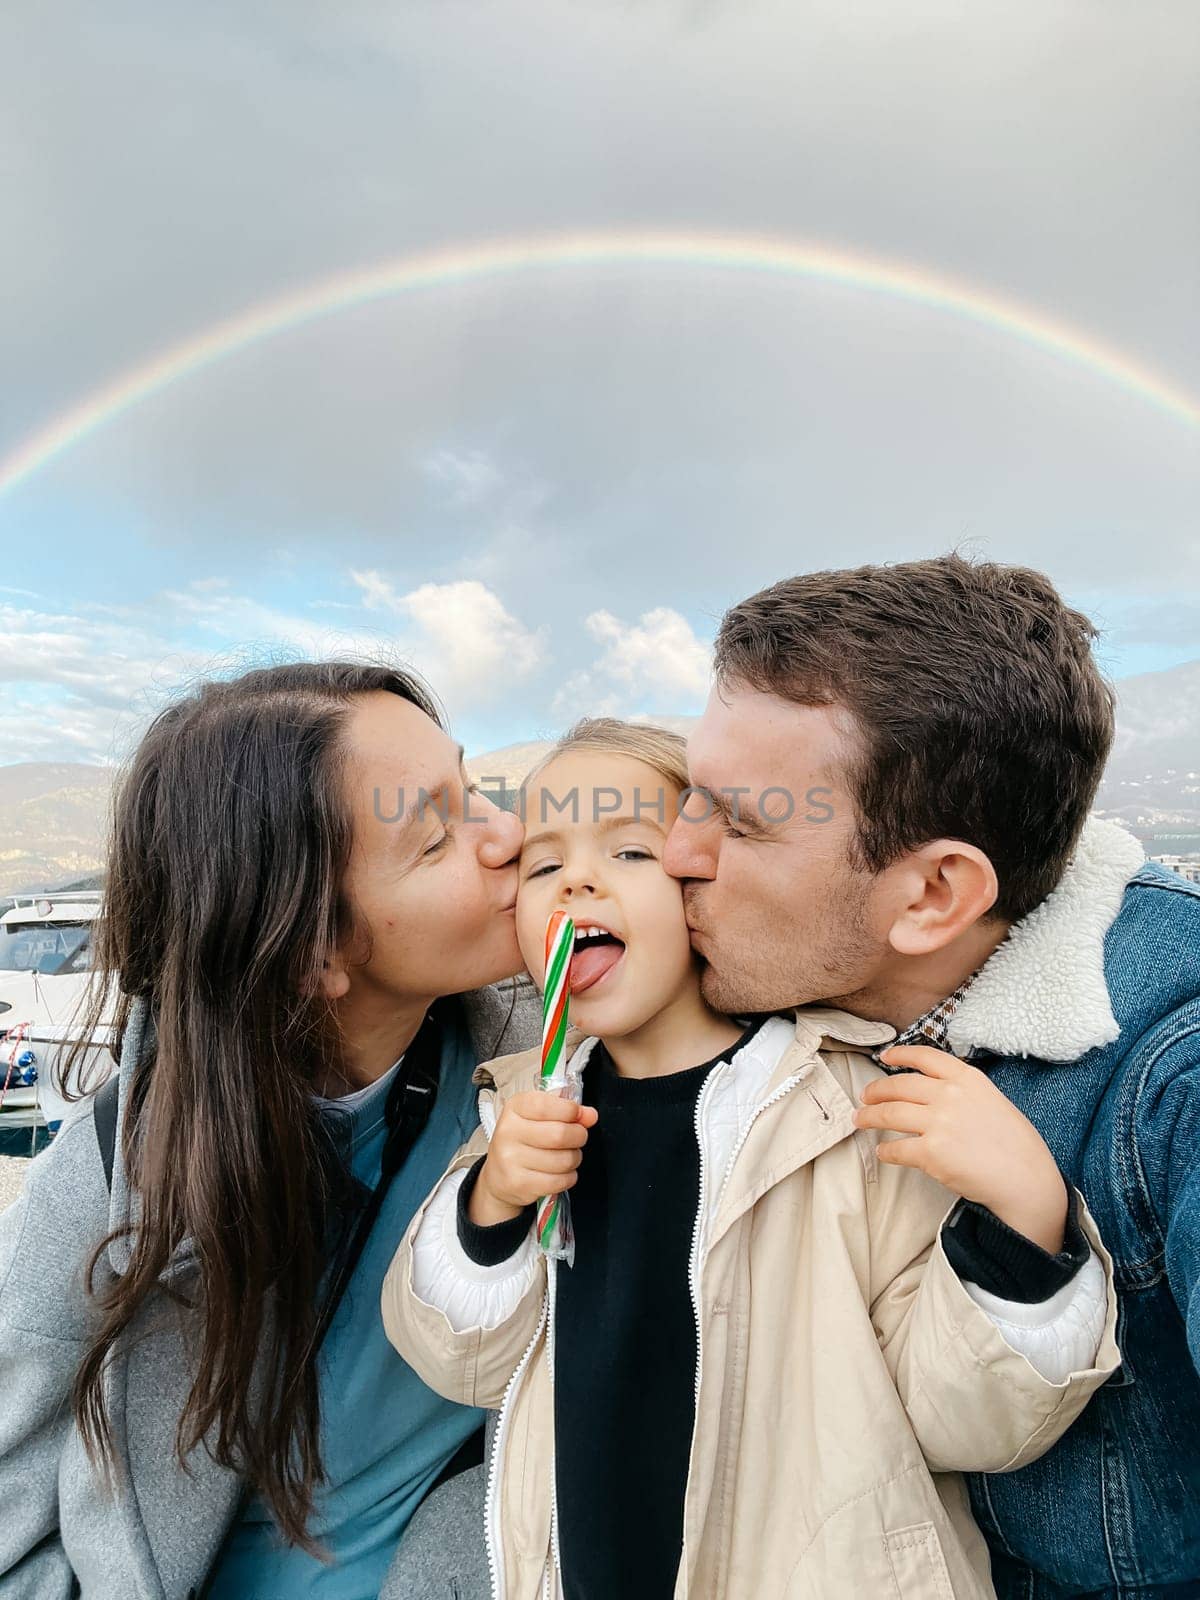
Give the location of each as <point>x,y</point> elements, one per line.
<point>944,888</point>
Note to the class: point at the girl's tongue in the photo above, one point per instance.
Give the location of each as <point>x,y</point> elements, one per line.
<point>590,963</point>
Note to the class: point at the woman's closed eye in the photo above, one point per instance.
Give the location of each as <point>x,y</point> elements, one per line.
<point>440,844</point>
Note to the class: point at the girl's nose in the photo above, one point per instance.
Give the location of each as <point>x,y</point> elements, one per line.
<point>579,873</point>
<point>578,883</point>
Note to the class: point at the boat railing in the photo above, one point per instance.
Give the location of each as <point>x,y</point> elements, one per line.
<point>73,897</point>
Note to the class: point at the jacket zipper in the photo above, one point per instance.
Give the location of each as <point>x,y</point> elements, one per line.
<point>784,1088</point>
<point>552,1585</point>
<point>552,1582</point>
<point>694,1262</point>
<point>694,1255</point>
<point>491,1530</point>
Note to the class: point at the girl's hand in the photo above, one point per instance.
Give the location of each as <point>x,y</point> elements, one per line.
<point>535,1151</point>
<point>968,1136</point>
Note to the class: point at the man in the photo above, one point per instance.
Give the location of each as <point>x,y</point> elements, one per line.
<point>892,785</point>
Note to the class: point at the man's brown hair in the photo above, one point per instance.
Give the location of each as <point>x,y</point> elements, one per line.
<point>980,708</point>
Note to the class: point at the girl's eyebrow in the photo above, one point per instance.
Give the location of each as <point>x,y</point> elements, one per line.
<point>551,836</point>
<point>611,824</point>
<point>603,825</point>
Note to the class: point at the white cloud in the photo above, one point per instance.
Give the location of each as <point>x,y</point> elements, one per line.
<point>377,592</point>
<point>31,730</point>
<point>656,663</point>
<point>461,636</point>
<point>107,655</point>
<point>240,621</point>
<point>81,685</point>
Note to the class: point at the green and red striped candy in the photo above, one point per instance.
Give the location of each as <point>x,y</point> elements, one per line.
<point>553,1228</point>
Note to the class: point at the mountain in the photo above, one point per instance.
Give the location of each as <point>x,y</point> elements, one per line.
<point>507,765</point>
<point>1158,723</point>
<point>52,822</point>
<point>53,814</point>
<point>1152,783</point>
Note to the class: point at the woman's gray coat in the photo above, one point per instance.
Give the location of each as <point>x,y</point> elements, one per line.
<point>156,1534</point>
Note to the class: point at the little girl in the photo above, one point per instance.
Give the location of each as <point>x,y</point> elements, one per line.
<point>768,1362</point>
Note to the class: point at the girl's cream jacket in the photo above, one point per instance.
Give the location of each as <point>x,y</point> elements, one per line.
<point>844,1377</point>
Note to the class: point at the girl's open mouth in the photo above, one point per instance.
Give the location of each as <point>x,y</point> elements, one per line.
<point>596,954</point>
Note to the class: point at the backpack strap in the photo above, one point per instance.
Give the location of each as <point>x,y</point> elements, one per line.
<point>406,1113</point>
<point>104,1115</point>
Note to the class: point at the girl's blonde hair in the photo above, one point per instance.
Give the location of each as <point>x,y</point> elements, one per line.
<point>659,748</point>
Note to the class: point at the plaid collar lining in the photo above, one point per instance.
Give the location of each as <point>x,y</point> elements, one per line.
<point>932,1028</point>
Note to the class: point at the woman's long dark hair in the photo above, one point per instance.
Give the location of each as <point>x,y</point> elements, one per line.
<point>222,901</point>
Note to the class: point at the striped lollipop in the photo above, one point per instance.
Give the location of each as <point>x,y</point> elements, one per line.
<point>553,1215</point>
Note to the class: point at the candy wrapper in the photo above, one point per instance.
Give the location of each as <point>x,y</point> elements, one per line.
<point>554,1232</point>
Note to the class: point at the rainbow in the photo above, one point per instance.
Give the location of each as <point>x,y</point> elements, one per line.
<point>470,263</point>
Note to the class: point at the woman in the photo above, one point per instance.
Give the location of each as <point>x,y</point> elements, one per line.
<point>309,920</point>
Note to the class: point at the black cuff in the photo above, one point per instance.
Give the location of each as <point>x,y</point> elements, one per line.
<point>987,1252</point>
<point>489,1247</point>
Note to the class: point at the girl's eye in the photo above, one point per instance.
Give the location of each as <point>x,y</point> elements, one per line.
<point>635,854</point>
<point>540,872</point>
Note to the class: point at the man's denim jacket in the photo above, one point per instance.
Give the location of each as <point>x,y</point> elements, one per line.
<point>1090,1017</point>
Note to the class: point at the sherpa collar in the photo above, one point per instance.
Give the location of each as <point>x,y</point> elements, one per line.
<point>1042,992</point>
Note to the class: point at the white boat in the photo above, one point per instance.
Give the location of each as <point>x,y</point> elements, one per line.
<point>45,968</point>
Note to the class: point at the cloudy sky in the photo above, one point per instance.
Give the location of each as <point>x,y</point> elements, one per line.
<point>543,487</point>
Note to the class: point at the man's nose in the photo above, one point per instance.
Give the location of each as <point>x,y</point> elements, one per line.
<point>688,851</point>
